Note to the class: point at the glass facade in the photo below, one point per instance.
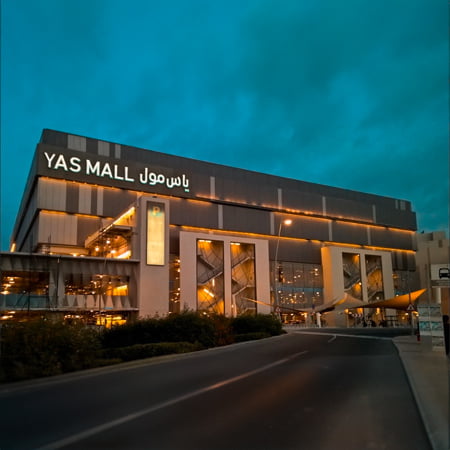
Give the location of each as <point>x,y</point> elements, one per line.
<point>24,289</point>
<point>210,276</point>
<point>351,266</point>
<point>374,274</point>
<point>174,284</point>
<point>299,286</point>
<point>87,284</point>
<point>243,276</point>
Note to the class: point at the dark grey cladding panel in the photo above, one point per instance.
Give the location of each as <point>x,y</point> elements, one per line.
<point>85,227</point>
<point>405,261</point>
<point>231,184</point>
<point>237,218</point>
<point>302,201</point>
<point>92,146</point>
<point>116,202</point>
<point>174,241</point>
<point>347,233</point>
<point>193,213</point>
<point>296,251</point>
<point>382,237</point>
<point>94,200</point>
<point>397,218</point>
<point>72,197</point>
<point>341,207</point>
<point>306,228</point>
<point>244,187</point>
<point>55,138</point>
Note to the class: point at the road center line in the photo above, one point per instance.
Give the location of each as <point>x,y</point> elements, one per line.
<point>129,417</point>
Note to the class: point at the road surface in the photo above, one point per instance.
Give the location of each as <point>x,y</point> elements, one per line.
<point>296,391</point>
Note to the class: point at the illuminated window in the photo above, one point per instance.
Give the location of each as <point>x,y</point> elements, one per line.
<point>210,276</point>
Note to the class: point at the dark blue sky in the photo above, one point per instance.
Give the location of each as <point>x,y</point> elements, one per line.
<point>350,94</point>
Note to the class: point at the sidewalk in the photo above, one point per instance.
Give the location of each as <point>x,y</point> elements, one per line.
<point>428,372</point>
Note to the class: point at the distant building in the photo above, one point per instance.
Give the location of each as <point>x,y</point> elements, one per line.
<point>433,267</point>
<point>108,231</point>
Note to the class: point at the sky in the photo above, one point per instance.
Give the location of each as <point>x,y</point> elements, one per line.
<point>351,94</point>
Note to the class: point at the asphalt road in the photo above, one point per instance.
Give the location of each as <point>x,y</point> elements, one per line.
<point>297,391</point>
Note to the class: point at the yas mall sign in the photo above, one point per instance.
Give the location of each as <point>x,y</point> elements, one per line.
<point>74,164</point>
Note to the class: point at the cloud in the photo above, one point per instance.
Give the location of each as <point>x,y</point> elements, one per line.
<point>348,94</point>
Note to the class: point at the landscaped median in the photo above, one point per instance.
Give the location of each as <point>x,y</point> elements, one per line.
<point>42,348</point>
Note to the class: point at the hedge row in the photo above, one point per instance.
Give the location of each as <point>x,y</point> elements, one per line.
<point>140,351</point>
<point>43,348</point>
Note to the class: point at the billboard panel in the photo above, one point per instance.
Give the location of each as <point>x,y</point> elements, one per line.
<point>155,234</point>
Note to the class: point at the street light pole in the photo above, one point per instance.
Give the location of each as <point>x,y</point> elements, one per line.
<point>286,222</point>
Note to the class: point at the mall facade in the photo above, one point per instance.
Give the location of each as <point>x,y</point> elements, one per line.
<point>112,231</point>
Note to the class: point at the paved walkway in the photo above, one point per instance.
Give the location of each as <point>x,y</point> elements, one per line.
<point>428,372</point>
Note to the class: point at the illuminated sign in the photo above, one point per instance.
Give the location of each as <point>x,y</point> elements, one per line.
<point>155,234</point>
<point>119,172</point>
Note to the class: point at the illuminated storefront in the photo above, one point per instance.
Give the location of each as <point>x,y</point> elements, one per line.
<point>123,231</point>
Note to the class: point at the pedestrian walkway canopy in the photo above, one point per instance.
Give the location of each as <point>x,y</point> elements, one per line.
<point>400,302</point>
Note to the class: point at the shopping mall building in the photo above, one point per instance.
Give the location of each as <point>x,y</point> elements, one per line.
<point>114,231</point>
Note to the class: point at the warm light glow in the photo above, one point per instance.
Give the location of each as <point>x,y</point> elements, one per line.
<point>125,215</point>
<point>13,247</point>
<point>208,292</point>
<point>206,241</point>
<point>124,287</point>
<point>124,255</point>
<point>287,222</point>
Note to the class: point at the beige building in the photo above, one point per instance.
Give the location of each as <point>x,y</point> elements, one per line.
<point>433,267</point>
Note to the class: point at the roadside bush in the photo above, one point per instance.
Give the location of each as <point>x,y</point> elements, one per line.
<point>223,333</point>
<point>184,327</point>
<point>251,336</point>
<point>189,327</point>
<point>260,323</point>
<point>142,331</point>
<point>42,348</point>
<point>140,351</point>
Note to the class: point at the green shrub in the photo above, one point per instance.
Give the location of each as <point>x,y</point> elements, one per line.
<point>186,326</point>
<point>140,351</point>
<point>189,327</point>
<point>264,323</point>
<point>223,333</point>
<point>42,348</point>
<point>142,331</point>
<point>251,336</point>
